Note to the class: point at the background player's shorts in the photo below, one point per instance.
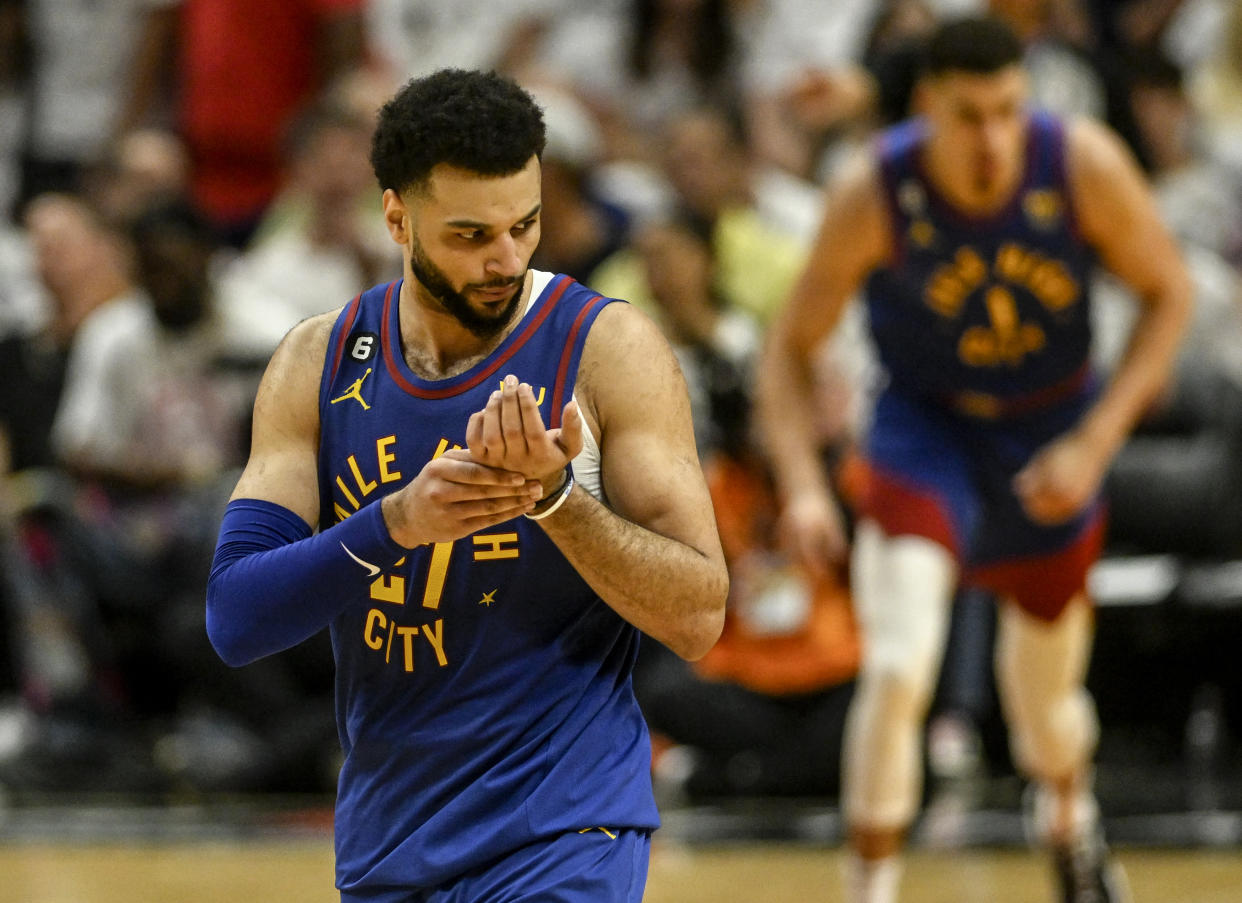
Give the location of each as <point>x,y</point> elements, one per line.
<point>932,472</point>
<point>597,865</point>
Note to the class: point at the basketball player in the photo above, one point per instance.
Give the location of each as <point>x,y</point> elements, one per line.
<point>972,230</point>
<point>501,468</point>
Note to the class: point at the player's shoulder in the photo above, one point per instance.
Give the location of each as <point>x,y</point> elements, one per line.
<point>1092,148</point>
<point>298,361</point>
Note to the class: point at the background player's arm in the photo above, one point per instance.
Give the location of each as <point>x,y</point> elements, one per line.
<point>853,238</point>
<point>1118,217</point>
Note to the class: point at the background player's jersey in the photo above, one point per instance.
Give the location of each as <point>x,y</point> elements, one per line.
<point>483,689</point>
<point>975,310</point>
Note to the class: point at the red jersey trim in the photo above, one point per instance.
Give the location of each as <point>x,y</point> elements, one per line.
<point>562,370</point>
<point>387,339</point>
<point>904,509</point>
<point>1044,584</point>
<point>346,325</point>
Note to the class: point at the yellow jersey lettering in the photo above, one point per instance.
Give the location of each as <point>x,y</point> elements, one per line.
<point>385,457</point>
<point>407,640</point>
<point>341,513</point>
<point>950,285</point>
<point>340,484</point>
<point>1045,278</point>
<point>434,634</point>
<point>1006,340</point>
<point>375,618</point>
<point>538,396</point>
<point>389,588</point>
<point>365,486</point>
<point>495,541</point>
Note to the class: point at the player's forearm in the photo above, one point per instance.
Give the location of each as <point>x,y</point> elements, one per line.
<point>666,588</point>
<point>786,415</point>
<point>273,584</point>
<point>1143,372</point>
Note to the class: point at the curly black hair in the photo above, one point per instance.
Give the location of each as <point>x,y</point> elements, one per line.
<point>479,121</point>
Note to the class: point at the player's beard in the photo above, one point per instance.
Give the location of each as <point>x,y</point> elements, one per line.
<point>483,325</point>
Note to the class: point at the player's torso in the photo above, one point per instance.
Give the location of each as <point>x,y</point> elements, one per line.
<point>986,308</point>
<point>446,609</point>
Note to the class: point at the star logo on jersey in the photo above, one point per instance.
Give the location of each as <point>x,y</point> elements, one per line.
<point>1043,208</point>
<point>489,598</point>
<point>355,392</point>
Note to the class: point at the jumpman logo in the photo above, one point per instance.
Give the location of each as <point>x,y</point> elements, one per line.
<point>355,392</point>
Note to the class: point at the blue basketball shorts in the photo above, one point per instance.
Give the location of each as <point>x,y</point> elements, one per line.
<point>948,477</point>
<point>595,865</point>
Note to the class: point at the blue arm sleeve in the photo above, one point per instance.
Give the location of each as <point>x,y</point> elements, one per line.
<point>273,584</point>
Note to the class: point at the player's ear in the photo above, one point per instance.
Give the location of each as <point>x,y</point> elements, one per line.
<point>396,216</point>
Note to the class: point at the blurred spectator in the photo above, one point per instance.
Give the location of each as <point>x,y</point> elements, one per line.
<point>1216,88</point>
<point>715,342</point>
<point>581,226</point>
<point>759,220</point>
<point>142,168</point>
<point>154,422</point>
<point>14,75</point>
<point>62,657</point>
<point>1200,197</point>
<point>241,69</point>
<point>145,404</point>
<point>638,63</point>
<point>79,59</point>
<point>799,55</point>
<point>417,37</point>
<point>82,265</point>
<point>1063,78</point>
<point>320,239</point>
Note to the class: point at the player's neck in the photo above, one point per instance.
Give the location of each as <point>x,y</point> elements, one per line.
<point>960,189</point>
<point>435,343</point>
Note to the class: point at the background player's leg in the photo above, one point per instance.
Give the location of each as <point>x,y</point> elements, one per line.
<point>1041,669</point>
<point>902,588</point>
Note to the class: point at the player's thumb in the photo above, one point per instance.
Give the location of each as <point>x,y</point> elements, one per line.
<point>570,434</point>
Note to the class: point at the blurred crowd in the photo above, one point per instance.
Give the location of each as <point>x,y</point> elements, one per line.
<point>184,180</point>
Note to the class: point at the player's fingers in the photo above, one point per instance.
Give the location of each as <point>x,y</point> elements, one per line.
<point>474,437</point>
<point>490,435</point>
<point>511,417</point>
<point>475,523</point>
<point>459,466</point>
<point>570,436</point>
<point>528,407</point>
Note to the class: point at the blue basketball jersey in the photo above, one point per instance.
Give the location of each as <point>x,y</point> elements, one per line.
<point>483,689</point>
<point>981,309</point>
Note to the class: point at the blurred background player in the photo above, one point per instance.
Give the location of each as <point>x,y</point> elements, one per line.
<point>974,230</point>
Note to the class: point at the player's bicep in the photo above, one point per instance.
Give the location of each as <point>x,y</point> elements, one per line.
<point>282,467</point>
<point>1118,214</point>
<point>649,464</point>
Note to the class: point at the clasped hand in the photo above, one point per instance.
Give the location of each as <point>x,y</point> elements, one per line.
<point>509,434</point>
<point>510,462</point>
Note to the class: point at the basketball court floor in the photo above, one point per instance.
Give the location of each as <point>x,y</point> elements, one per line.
<point>748,852</point>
